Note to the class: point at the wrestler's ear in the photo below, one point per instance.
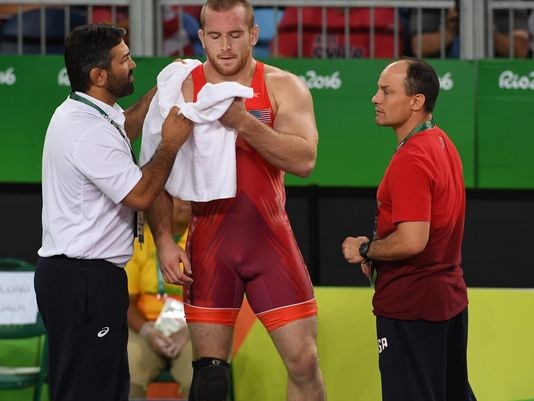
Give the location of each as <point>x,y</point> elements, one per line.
<point>201,37</point>
<point>254,35</point>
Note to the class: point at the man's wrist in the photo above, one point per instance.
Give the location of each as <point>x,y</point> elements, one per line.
<point>364,250</point>
<point>247,124</point>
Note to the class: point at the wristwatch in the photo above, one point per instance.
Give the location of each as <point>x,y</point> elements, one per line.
<point>364,248</point>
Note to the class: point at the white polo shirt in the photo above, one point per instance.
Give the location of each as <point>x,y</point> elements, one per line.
<point>87,171</point>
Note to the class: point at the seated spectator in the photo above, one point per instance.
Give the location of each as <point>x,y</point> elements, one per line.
<point>149,349</point>
<point>501,37</point>
<point>334,46</point>
<point>431,33</point>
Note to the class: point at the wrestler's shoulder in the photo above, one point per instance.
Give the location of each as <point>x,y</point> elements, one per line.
<point>276,77</point>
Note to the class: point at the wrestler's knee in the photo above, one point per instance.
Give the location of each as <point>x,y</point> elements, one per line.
<point>304,366</point>
<point>211,380</point>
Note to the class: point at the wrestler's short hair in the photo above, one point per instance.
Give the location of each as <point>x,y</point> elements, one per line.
<point>224,5</point>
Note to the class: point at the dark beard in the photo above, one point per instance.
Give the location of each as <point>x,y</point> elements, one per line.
<point>119,88</point>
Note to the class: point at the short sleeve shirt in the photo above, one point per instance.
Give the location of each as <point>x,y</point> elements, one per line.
<point>88,169</point>
<point>423,183</point>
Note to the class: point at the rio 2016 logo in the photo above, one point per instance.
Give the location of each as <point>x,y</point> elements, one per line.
<point>510,80</point>
<point>315,81</point>
<point>445,82</point>
<point>333,81</point>
<point>8,77</point>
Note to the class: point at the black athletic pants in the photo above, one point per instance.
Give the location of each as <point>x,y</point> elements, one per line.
<point>84,305</point>
<point>424,361</point>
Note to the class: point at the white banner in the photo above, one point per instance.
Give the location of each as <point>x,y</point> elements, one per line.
<point>17,298</point>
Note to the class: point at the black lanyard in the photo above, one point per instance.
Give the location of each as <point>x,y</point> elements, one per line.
<point>75,96</point>
<point>421,127</point>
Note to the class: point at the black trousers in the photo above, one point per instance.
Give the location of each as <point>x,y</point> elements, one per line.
<point>424,361</point>
<point>84,305</point>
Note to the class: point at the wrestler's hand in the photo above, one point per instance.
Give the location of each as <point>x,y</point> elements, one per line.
<point>235,114</point>
<point>351,249</point>
<point>171,260</point>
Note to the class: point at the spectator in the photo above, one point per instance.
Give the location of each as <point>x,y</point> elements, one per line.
<point>334,44</point>
<point>149,349</point>
<point>501,37</point>
<point>431,33</point>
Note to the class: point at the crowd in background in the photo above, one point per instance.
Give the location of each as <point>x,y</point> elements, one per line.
<point>282,36</point>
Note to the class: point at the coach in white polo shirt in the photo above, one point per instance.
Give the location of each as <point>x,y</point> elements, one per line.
<point>92,187</point>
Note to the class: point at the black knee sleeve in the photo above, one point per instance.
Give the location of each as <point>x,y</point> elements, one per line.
<point>211,380</point>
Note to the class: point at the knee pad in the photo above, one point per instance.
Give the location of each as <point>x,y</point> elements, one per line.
<point>211,380</point>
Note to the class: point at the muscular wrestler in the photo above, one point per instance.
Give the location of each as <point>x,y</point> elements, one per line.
<point>245,245</point>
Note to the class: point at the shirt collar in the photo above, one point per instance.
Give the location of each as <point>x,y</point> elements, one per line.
<point>115,112</point>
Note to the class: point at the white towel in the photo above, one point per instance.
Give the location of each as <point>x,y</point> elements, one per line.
<point>205,167</point>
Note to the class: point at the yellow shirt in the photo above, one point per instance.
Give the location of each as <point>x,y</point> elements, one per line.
<point>142,272</point>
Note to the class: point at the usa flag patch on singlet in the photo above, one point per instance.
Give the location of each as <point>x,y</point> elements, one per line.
<point>263,115</point>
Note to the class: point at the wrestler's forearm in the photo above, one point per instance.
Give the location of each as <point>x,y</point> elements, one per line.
<point>292,153</point>
<point>159,218</point>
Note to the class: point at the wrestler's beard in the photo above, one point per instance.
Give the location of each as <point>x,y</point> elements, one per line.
<point>228,71</point>
<point>120,87</point>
